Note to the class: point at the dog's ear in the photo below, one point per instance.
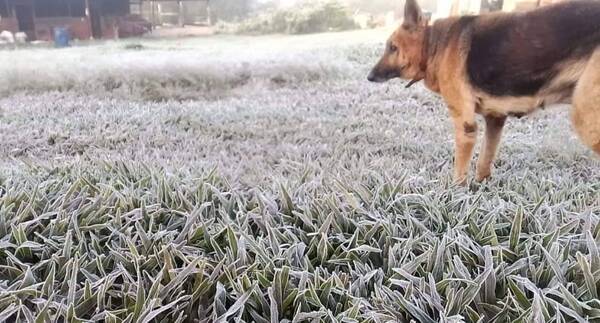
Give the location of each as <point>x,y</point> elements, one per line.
<point>413,16</point>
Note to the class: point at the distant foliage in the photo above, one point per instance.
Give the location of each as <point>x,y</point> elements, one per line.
<point>309,17</point>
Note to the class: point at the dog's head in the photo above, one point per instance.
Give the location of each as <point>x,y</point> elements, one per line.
<point>403,56</point>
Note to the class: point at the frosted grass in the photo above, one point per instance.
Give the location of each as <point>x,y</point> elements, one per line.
<point>322,200</point>
<point>184,69</point>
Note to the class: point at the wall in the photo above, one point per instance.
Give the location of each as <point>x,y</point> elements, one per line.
<point>79,28</point>
<point>522,5</point>
<point>519,5</point>
<point>9,23</point>
<point>447,8</point>
<point>122,27</point>
<point>166,12</point>
<point>109,27</point>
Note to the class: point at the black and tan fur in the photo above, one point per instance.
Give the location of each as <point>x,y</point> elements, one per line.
<point>500,65</point>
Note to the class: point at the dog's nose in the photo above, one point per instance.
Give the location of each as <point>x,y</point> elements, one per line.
<point>371,77</point>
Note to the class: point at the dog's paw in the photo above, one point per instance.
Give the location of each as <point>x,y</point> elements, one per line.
<point>462,181</point>
<point>481,178</point>
<point>482,175</point>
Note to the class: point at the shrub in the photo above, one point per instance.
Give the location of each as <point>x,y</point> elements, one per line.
<point>309,17</point>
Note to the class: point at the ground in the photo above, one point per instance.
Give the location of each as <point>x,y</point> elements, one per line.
<point>263,179</point>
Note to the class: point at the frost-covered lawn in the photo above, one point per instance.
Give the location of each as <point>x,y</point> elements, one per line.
<point>263,179</point>
<point>183,69</point>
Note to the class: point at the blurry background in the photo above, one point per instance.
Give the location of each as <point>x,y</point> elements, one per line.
<point>95,19</point>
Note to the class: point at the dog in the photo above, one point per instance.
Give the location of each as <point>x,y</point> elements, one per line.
<point>500,65</point>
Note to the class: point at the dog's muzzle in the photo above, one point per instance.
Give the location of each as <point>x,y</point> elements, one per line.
<point>375,78</point>
<point>378,77</point>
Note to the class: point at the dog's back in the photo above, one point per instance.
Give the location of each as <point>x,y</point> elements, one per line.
<point>520,54</point>
<point>551,53</point>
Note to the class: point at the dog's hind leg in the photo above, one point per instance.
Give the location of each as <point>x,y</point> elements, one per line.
<point>493,133</point>
<point>586,104</point>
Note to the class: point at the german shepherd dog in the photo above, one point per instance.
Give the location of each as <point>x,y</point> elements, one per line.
<point>500,65</point>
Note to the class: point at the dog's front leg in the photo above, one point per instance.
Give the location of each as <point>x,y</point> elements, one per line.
<point>465,135</point>
<point>493,133</point>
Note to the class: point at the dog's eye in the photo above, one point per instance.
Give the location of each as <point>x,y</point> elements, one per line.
<point>393,48</point>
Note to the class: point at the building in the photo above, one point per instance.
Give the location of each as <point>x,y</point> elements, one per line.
<point>521,5</point>
<point>95,19</point>
<point>176,12</point>
<point>85,19</point>
<point>447,8</point>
